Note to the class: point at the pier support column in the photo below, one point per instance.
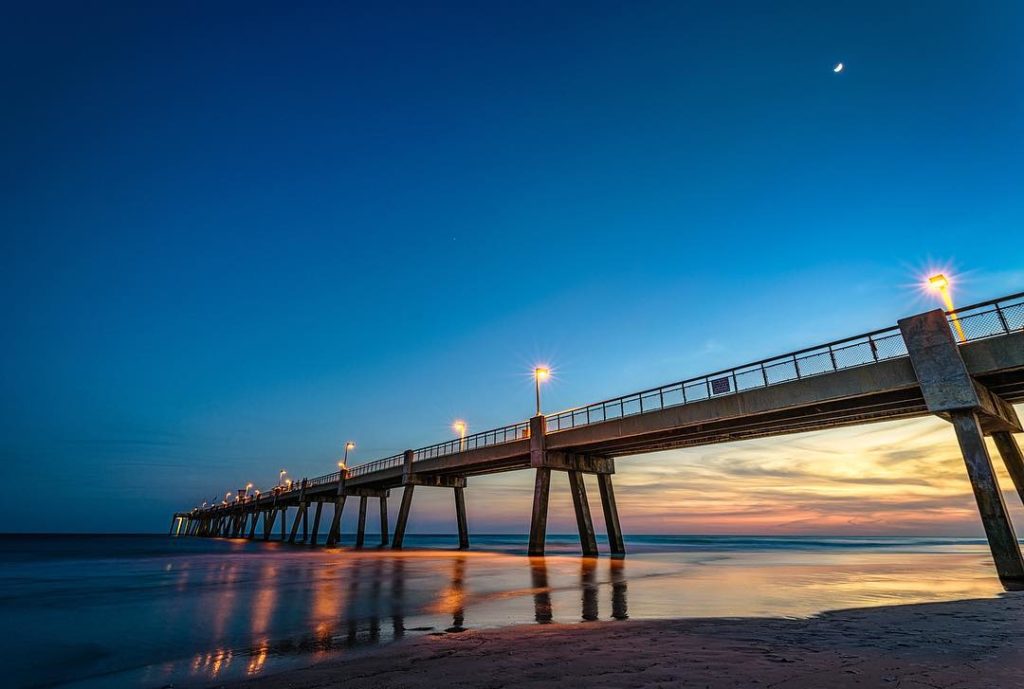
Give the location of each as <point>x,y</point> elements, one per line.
<point>541,485</point>
<point>305,522</point>
<point>268,523</point>
<point>174,522</point>
<point>384,520</point>
<point>334,534</point>
<point>316,521</point>
<point>361,528</point>
<point>1009,450</point>
<point>460,517</point>
<point>950,392</point>
<point>295,524</point>
<point>584,523</point>
<point>1001,537</point>
<point>255,522</point>
<point>539,520</point>
<point>284,523</point>
<point>611,515</point>
<point>403,517</point>
<point>403,508</point>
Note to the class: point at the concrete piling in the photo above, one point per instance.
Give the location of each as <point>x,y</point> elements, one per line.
<point>460,517</point>
<point>361,527</point>
<point>584,523</point>
<point>1009,450</point>
<point>611,515</point>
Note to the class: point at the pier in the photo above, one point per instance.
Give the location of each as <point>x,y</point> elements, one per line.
<point>965,366</point>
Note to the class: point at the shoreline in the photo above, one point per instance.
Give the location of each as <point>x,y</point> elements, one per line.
<point>968,644</point>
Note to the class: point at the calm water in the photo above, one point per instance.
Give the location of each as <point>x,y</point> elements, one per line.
<point>149,611</point>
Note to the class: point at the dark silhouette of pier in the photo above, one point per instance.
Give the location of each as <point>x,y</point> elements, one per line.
<point>965,366</point>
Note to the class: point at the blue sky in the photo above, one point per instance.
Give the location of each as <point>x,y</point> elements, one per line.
<point>235,237</point>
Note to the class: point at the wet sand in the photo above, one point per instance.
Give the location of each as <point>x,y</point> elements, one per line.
<point>971,644</point>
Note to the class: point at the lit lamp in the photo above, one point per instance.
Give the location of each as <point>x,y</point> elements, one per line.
<point>348,446</point>
<point>280,477</point>
<point>539,376</point>
<point>940,283</point>
<point>460,427</point>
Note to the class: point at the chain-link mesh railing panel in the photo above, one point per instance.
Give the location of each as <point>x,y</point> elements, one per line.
<point>1014,316</point>
<point>780,372</point>
<point>814,364</point>
<point>631,405</point>
<point>696,391</point>
<point>651,401</point>
<point>890,346</point>
<point>975,326</point>
<point>851,355</point>
<point>749,379</point>
<point>672,396</point>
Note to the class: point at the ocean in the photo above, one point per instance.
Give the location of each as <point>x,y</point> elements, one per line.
<point>92,611</point>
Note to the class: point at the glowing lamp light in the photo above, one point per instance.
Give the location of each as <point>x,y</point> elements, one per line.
<point>540,374</point>
<point>941,284</point>
<point>459,426</point>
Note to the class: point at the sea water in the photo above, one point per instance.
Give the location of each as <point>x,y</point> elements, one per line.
<point>154,611</point>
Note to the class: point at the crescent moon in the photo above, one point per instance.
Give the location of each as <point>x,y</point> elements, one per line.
<point>838,68</point>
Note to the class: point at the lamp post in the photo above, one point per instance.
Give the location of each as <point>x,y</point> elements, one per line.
<point>280,477</point>
<point>941,284</point>
<point>540,374</point>
<point>460,427</point>
<point>348,446</point>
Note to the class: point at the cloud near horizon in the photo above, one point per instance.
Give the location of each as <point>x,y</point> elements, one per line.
<point>900,477</point>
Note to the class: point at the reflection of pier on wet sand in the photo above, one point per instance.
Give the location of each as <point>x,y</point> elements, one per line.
<point>368,601</point>
<point>968,644</point>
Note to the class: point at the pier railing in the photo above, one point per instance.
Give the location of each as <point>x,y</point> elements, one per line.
<point>988,319</point>
<point>376,465</point>
<point>496,436</point>
<point>978,321</point>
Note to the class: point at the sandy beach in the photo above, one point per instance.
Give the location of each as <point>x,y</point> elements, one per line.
<point>970,644</point>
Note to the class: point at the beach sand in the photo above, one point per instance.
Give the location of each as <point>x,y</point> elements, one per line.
<point>972,644</point>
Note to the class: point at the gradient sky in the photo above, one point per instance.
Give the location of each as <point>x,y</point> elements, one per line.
<point>233,237</point>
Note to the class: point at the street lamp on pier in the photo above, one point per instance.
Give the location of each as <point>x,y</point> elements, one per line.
<point>460,427</point>
<point>941,284</point>
<point>540,374</point>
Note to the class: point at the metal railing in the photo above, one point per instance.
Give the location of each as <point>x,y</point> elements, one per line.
<point>376,465</point>
<point>988,319</point>
<point>496,436</point>
<point>321,480</point>
<point>978,321</point>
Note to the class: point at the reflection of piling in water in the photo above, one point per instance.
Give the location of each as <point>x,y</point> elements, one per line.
<point>542,595</point>
<point>397,594</point>
<point>588,570</point>
<point>456,595</point>
<point>618,577</point>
